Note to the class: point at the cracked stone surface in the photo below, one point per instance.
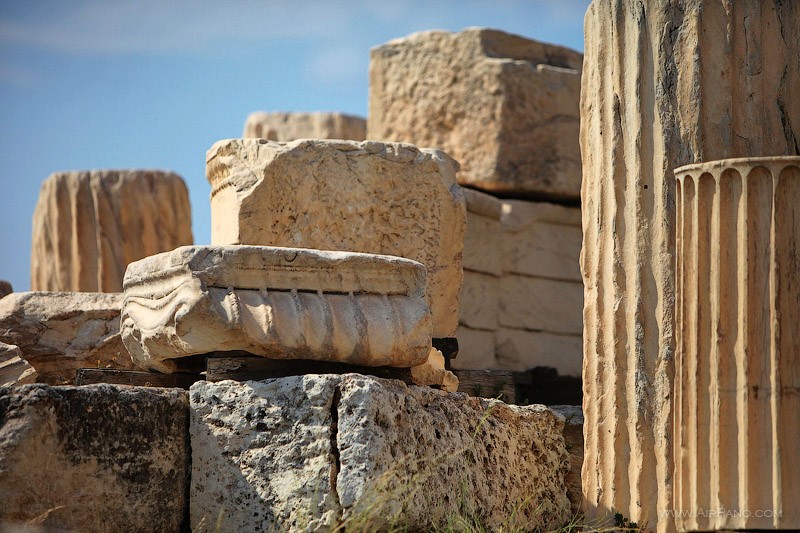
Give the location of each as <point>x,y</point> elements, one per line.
<point>59,332</point>
<point>306,452</point>
<point>97,458</point>
<point>379,198</point>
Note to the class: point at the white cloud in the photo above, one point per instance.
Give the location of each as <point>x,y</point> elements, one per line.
<point>174,26</point>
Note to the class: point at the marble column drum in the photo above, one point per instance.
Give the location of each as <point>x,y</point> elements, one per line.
<point>737,375</point>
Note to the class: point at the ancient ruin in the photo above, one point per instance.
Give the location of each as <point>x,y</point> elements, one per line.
<point>86,229</point>
<point>348,351</point>
<point>664,85</point>
<point>59,332</point>
<point>283,127</point>
<point>505,107</point>
<point>737,343</point>
<point>380,198</point>
<point>281,303</point>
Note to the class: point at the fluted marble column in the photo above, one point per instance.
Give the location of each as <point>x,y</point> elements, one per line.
<point>664,84</point>
<point>737,371</point>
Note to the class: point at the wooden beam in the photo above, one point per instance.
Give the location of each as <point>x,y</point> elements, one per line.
<point>498,384</point>
<point>243,368</point>
<point>89,376</point>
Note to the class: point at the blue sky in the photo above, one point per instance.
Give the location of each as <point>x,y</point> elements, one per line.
<point>154,83</point>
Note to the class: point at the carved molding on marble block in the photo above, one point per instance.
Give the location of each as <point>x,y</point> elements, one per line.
<point>282,303</point>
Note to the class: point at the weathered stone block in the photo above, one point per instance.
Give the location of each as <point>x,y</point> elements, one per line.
<point>737,371</point>
<point>59,332</point>
<point>665,84</point>
<point>476,349</point>
<point>479,301</point>
<point>483,250</point>
<point>14,370</point>
<point>277,126</point>
<point>541,304</point>
<point>94,459</point>
<point>503,106</point>
<point>309,452</point>
<point>88,225</point>
<point>391,198</point>
<point>281,303</point>
<point>541,240</point>
<point>518,349</point>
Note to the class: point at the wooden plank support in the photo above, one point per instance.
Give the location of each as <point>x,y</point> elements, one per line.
<point>488,384</point>
<point>245,368</point>
<point>90,376</point>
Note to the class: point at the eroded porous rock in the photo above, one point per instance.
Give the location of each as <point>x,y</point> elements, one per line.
<point>5,288</point>
<point>573,438</point>
<point>309,452</point>
<point>505,107</point>
<point>94,459</point>
<point>277,126</point>
<point>88,225</point>
<point>59,332</point>
<point>281,303</point>
<point>380,198</point>
<point>14,370</point>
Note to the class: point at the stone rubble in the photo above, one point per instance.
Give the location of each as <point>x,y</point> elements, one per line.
<point>14,370</point>
<point>59,332</point>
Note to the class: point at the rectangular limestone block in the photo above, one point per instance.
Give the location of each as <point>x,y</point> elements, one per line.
<point>482,243</point>
<point>88,225</point>
<point>503,106</point>
<point>94,459</point>
<point>381,198</point>
<point>541,239</point>
<point>357,453</point>
<point>280,303</point>
<point>476,349</point>
<point>277,126</point>
<point>60,332</point>
<point>479,301</point>
<point>541,304</point>
<point>518,349</point>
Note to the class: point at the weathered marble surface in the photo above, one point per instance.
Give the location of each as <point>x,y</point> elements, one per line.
<point>88,225</point>
<point>59,332</point>
<point>665,84</point>
<point>279,126</point>
<point>96,458</point>
<point>282,303</point>
<point>310,451</point>
<point>505,107</point>
<point>382,198</point>
<point>738,343</point>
